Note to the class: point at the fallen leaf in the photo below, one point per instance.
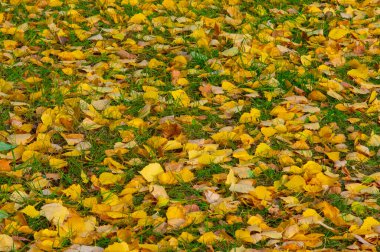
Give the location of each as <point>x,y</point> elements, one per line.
<point>55,213</point>
<point>151,171</point>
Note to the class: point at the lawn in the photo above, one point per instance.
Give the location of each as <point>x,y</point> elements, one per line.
<point>175,125</point>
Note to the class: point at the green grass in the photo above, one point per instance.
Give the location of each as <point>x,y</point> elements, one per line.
<point>339,202</point>
<point>265,16</point>
<point>207,172</point>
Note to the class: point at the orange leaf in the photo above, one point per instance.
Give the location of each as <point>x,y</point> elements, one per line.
<point>4,165</point>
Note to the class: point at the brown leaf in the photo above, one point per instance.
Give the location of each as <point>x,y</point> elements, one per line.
<point>126,55</point>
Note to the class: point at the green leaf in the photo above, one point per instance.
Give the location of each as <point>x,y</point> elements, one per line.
<point>3,214</point>
<point>6,147</point>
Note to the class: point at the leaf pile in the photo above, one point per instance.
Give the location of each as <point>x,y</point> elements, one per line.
<point>174,125</point>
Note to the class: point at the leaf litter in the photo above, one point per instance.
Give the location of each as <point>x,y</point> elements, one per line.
<point>144,125</point>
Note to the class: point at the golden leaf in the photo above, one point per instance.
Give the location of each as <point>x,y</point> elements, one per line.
<point>138,18</point>
<point>55,213</point>
<point>6,243</point>
<point>117,247</point>
<point>208,238</point>
<point>338,33</point>
<point>57,163</point>
<point>296,183</point>
<point>263,150</point>
<point>107,178</point>
<point>244,235</point>
<point>151,171</point>
<point>30,211</point>
<point>74,191</point>
<point>181,98</point>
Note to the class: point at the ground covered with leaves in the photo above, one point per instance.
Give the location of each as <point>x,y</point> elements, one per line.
<point>166,125</point>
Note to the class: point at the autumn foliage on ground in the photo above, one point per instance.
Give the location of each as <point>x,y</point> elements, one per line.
<point>175,125</point>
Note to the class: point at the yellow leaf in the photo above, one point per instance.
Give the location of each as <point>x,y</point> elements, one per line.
<point>251,117</point>
<point>68,71</point>
<point>167,178</point>
<point>9,44</point>
<point>244,235</point>
<point>82,35</point>
<point>140,214</point>
<point>224,136</point>
<point>74,191</point>
<point>247,140</point>
<point>263,150</point>
<point>290,231</point>
<point>334,156</point>
<point>312,167</point>
<point>372,97</point>
<point>359,73</point>
<point>325,132</point>
<point>78,55</point>
<point>84,177</point>
<point>19,139</point>
<point>179,61</point>
<point>230,52</point>
<point>151,171</point>
<point>90,202</point>
<point>296,183</point>
<point>175,212</point>
<point>169,5</point>
<point>113,164</point>
<point>107,178</point>
<point>5,86</point>
<point>30,211</point>
<point>206,159</point>
<point>47,117</point>
<point>228,86</point>
<point>186,237</point>
<point>172,145</point>
<point>148,247</point>
<point>153,64</point>
<point>26,155</point>
<point>6,243</point>
<point>54,3</point>
<point>182,82</point>
<point>306,60</point>
<point>255,220</point>
<point>309,212</point>
<point>112,112</point>
<point>332,213</point>
<point>181,98</point>
<point>55,213</point>
<point>268,131</point>
<point>325,180</point>
<point>151,96</point>
<point>272,234</point>
<point>117,247</point>
<point>338,33</point>
<point>242,155</point>
<point>138,18</point>
<point>119,36</point>
<point>368,223</point>
<point>286,160</point>
<point>156,142</point>
<point>261,192</point>
<point>374,140</point>
<point>185,175</point>
<point>231,179</point>
<point>57,163</point>
<point>131,2</point>
<point>208,238</point>
<point>33,79</point>
<point>316,95</point>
